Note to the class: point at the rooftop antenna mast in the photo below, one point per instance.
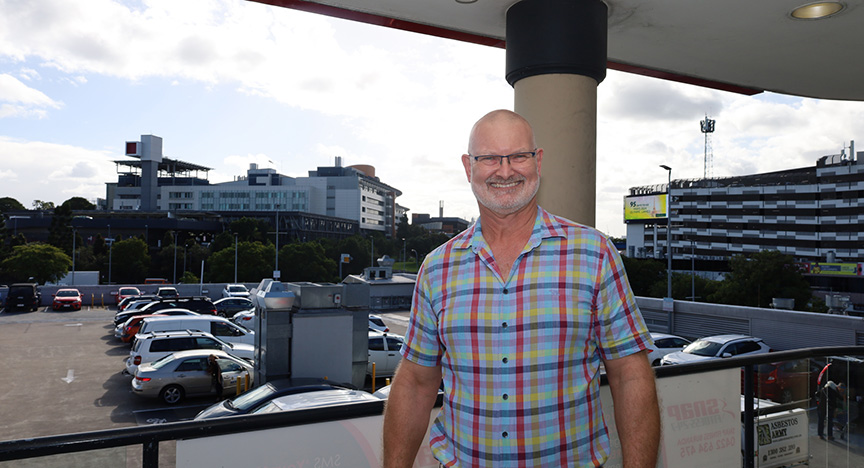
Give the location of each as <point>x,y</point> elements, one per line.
<point>708,129</point>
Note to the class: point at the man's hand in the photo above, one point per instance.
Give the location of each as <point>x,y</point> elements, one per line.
<point>406,415</point>
<point>637,414</point>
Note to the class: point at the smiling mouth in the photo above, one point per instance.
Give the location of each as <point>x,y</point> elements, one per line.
<point>505,184</point>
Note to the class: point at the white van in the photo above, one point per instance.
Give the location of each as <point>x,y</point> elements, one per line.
<point>219,327</point>
<point>154,345</point>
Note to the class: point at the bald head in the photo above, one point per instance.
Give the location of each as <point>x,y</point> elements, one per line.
<point>493,125</point>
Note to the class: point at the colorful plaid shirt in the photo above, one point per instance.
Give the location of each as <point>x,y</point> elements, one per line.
<point>521,354</point>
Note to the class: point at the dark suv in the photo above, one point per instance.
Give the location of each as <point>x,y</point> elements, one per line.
<point>23,296</point>
<point>200,304</point>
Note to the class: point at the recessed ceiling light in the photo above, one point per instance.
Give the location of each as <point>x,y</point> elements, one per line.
<point>817,10</point>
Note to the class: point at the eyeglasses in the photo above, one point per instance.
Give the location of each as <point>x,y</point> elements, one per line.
<point>514,159</point>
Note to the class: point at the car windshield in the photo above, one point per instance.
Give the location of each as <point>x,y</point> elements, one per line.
<point>67,293</point>
<point>236,288</point>
<point>703,348</point>
<point>252,397</point>
<point>127,291</point>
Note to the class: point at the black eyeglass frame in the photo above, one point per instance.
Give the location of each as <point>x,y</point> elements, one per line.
<point>500,158</point>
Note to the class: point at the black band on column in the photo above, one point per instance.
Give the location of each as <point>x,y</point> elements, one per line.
<point>556,36</point>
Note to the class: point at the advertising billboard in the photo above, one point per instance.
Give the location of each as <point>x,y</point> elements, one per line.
<point>644,207</point>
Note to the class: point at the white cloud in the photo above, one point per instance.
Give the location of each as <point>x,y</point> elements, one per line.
<point>37,170</point>
<point>19,100</point>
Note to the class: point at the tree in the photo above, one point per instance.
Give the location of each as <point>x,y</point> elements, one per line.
<point>644,273</point>
<point>43,205</point>
<point>758,278</point>
<point>255,261</point>
<point>43,262</point>
<point>78,204</point>
<point>306,261</point>
<point>10,204</point>
<point>60,232</point>
<point>131,261</point>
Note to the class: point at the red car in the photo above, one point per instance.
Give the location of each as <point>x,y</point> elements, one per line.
<point>67,299</point>
<point>127,291</point>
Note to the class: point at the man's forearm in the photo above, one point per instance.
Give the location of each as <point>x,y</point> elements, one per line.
<point>637,413</point>
<point>406,419</point>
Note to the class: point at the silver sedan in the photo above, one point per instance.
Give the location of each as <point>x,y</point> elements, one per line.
<point>184,373</point>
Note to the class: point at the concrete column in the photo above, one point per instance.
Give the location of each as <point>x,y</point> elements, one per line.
<point>556,57</point>
<point>563,111</point>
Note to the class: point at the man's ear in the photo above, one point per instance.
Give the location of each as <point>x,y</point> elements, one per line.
<point>539,157</point>
<point>466,162</point>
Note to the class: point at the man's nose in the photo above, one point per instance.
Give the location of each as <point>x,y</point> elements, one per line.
<point>505,167</point>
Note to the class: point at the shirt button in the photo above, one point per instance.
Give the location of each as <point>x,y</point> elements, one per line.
<point>505,396</point>
<point>505,291</point>
<point>504,360</point>
<point>504,325</point>
<point>504,434</point>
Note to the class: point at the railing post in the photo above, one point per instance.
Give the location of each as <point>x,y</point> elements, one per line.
<point>151,454</point>
<point>749,418</point>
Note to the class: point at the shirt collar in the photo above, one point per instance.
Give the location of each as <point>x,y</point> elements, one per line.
<point>546,225</point>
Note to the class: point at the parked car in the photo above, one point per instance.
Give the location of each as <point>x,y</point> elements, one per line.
<point>127,291</point>
<point>67,298</point>
<point>228,306</point>
<point>235,290</point>
<point>135,309</point>
<point>787,381</point>
<point>217,326</point>
<point>384,352</point>
<point>127,330</point>
<point>377,324</point>
<point>716,347</point>
<point>133,302</point>
<point>167,291</point>
<point>245,319</point>
<point>23,296</point>
<point>253,399</point>
<point>665,344</point>
<point>383,392</point>
<point>306,400</point>
<point>184,373</point>
<point>201,304</point>
<point>152,346</point>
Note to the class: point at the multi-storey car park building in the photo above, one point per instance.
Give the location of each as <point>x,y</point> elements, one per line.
<point>330,201</point>
<point>815,214</point>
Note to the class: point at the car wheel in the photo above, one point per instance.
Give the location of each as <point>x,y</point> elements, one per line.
<point>171,394</point>
<point>786,396</point>
<point>655,363</point>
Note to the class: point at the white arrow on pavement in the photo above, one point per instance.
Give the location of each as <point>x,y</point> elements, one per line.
<point>70,376</point>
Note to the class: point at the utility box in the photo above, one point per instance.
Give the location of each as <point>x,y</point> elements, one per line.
<point>304,331</point>
<point>273,309</point>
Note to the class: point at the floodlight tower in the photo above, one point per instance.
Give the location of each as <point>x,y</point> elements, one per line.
<point>708,129</point>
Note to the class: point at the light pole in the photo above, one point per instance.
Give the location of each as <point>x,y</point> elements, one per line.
<point>175,257</point>
<point>110,241</point>
<point>692,270</point>
<point>73,256</point>
<point>235,258</point>
<point>276,273</point>
<point>668,232</point>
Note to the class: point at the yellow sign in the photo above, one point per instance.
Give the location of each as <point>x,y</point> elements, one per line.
<point>847,269</point>
<point>644,207</point>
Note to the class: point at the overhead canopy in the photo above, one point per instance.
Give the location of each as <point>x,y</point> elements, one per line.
<point>742,46</point>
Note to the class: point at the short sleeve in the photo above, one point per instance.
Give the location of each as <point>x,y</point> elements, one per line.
<point>620,328</point>
<point>422,345</point>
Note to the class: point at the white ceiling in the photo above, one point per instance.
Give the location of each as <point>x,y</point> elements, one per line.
<point>743,43</point>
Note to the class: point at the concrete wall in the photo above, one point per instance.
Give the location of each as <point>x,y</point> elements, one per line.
<point>780,329</point>
<point>106,294</point>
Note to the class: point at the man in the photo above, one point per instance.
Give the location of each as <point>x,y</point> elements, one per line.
<point>215,376</point>
<point>517,313</point>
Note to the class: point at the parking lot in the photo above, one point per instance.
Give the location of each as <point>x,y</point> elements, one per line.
<point>64,372</point>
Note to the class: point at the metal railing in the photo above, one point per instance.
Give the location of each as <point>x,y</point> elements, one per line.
<point>149,437</point>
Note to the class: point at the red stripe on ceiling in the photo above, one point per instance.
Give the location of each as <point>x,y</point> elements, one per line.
<point>369,18</point>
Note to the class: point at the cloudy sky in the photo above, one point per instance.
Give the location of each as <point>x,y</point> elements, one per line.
<point>227,83</point>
